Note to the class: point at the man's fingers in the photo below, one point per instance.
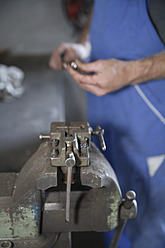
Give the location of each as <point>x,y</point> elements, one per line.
<point>81,78</point>
<point>93,89</point>
<point>87,67</point>
<point>62,54</point>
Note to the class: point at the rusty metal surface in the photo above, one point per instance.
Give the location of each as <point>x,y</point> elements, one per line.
<point>22,218</point>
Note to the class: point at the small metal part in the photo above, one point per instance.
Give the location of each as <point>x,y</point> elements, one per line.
<point>44,136</point>
<point>83,146</point>
<point>73,65</point>
<point>54,142</point>
<point>54,152</point>
<point>100,133</point>
<point>70,161</point>
<point>69,143</point>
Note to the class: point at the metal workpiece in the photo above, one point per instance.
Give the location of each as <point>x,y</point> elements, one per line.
<point>70,137</point>
<point>74,65</point>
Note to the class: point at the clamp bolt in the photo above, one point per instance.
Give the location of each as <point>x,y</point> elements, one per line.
<point>44,136</point>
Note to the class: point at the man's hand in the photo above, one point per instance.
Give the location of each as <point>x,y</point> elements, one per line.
<point>63,53</point>
<point>112,74</point>
<point>106,75</point>
<point>68,52</point>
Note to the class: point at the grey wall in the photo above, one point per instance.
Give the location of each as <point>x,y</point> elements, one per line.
<point>33,26</point>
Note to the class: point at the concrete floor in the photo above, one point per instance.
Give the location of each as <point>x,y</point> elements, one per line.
<point>31,30</point>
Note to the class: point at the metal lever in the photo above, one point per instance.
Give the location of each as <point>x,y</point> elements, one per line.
<point>69,162</point>
<point>128,210</point>
<point>100,132</point>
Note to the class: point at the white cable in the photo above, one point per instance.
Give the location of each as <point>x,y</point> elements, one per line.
<point>149,104</point>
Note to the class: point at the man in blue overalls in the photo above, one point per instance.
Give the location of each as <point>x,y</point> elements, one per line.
<point>127,99</point>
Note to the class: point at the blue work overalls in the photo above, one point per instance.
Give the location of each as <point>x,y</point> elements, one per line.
<point>133,118</point>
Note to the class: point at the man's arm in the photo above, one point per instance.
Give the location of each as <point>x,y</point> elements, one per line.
<point>112,74</point>
<point>150,68</point>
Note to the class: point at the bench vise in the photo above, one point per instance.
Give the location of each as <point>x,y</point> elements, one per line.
<point>66,186</point>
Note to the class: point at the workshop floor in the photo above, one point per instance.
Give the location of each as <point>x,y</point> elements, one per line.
<point>30,32</point>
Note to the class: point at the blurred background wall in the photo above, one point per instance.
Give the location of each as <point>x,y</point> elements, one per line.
<point>29,32</point>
